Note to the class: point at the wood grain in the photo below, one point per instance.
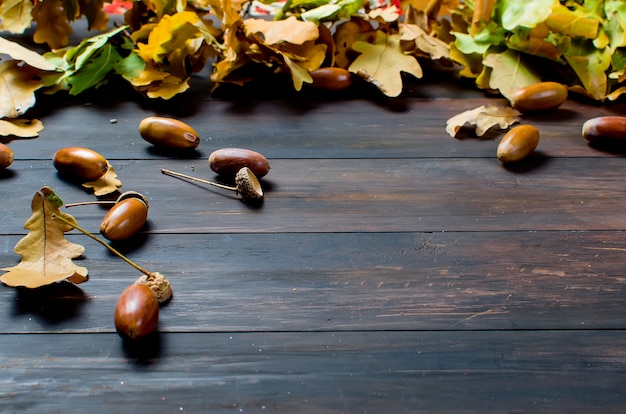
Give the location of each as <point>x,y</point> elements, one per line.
<point>345,282</point>
<point>391,268</point>
<point>330,372</point>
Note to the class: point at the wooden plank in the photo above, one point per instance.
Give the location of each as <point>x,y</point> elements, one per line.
<point>350,281</point>
<point>332,372</point>
<point>352,195</point>
<point>304,128</point>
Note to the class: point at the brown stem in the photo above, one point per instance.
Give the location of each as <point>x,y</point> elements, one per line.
<point>118,254</point>
<point>86,203</point>
<point>200,180</point>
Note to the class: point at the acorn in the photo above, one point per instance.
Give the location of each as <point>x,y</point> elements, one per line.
<point>541,96</point>
<point>80,162</point>
<point>331,78</point>
<point>518,143</point>
<point>6,156</point>
<point>137,312</point>
<point>610,128</point>
<point>126,217</point>
<point>228,161</point>
<point>168,133</point>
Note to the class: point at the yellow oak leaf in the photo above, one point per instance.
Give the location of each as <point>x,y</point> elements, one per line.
<point>346,34</point>
<point>431,46</point>
<point>52,25</point>
<point>24,128</point>
<point>107,184</point>
<point>16,15</point>
<point>46,254</point>
<point>17,88</point>
<point>380,63</point>
<point>484,118</point>
<point>290,30</point>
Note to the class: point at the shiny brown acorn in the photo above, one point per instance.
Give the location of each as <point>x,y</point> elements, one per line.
<point>541,96</point>
<point>126,217</point>
<point>137,312</point>
<point>331,78</point>
<point>80,162</point>
<point>168,133</point>
<point>518,143</point>
<point>6,156</point>
<point>228,161</point>
<point>610,128</point>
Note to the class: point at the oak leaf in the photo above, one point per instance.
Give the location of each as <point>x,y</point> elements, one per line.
<point>23,128</point>
<point>380,63</point>
<point>483,118</point>
<point>509,73</point>
<point>18,84</point>
<point>291,30</point>
<point>431,46</point>
<point>15,15</point>
<point>46,254</point>
<point>19,52</point>
<point>105,185</point>
<point>52,24</point>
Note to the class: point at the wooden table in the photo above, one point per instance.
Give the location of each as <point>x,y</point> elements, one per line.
<point>390,269</point>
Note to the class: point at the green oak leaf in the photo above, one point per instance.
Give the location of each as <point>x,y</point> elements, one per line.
<point>508,72</point>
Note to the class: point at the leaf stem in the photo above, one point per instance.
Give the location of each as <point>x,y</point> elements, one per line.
<point>114,251</point>
<point>200,180</point>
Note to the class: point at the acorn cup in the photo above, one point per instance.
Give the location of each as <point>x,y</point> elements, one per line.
<point>246,183</point>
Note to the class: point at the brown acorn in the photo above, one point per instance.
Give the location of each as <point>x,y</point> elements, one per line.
<point>6,156</point>
<point>79,162</point>
<point>168,133</point>
<point>126,217</point>
<point>137,312</point>
<point>228,161</point>
<point>518,143</point>
<point>610,128</point>
<point>541,96</point>
<point>331,78</point>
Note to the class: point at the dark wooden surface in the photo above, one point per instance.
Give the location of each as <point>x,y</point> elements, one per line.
<point>391,268</point>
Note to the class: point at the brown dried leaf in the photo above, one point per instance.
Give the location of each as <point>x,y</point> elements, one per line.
<point>52,25</point>
<point>46,255</point>
<point>484,118</point>
<point>107,184</point>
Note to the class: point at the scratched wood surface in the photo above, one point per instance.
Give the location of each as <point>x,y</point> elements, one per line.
<point>391,268</point>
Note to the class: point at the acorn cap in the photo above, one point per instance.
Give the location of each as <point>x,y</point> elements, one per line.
<point>133,194</point>
<point>159,285</point>
<point>248,185</point>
